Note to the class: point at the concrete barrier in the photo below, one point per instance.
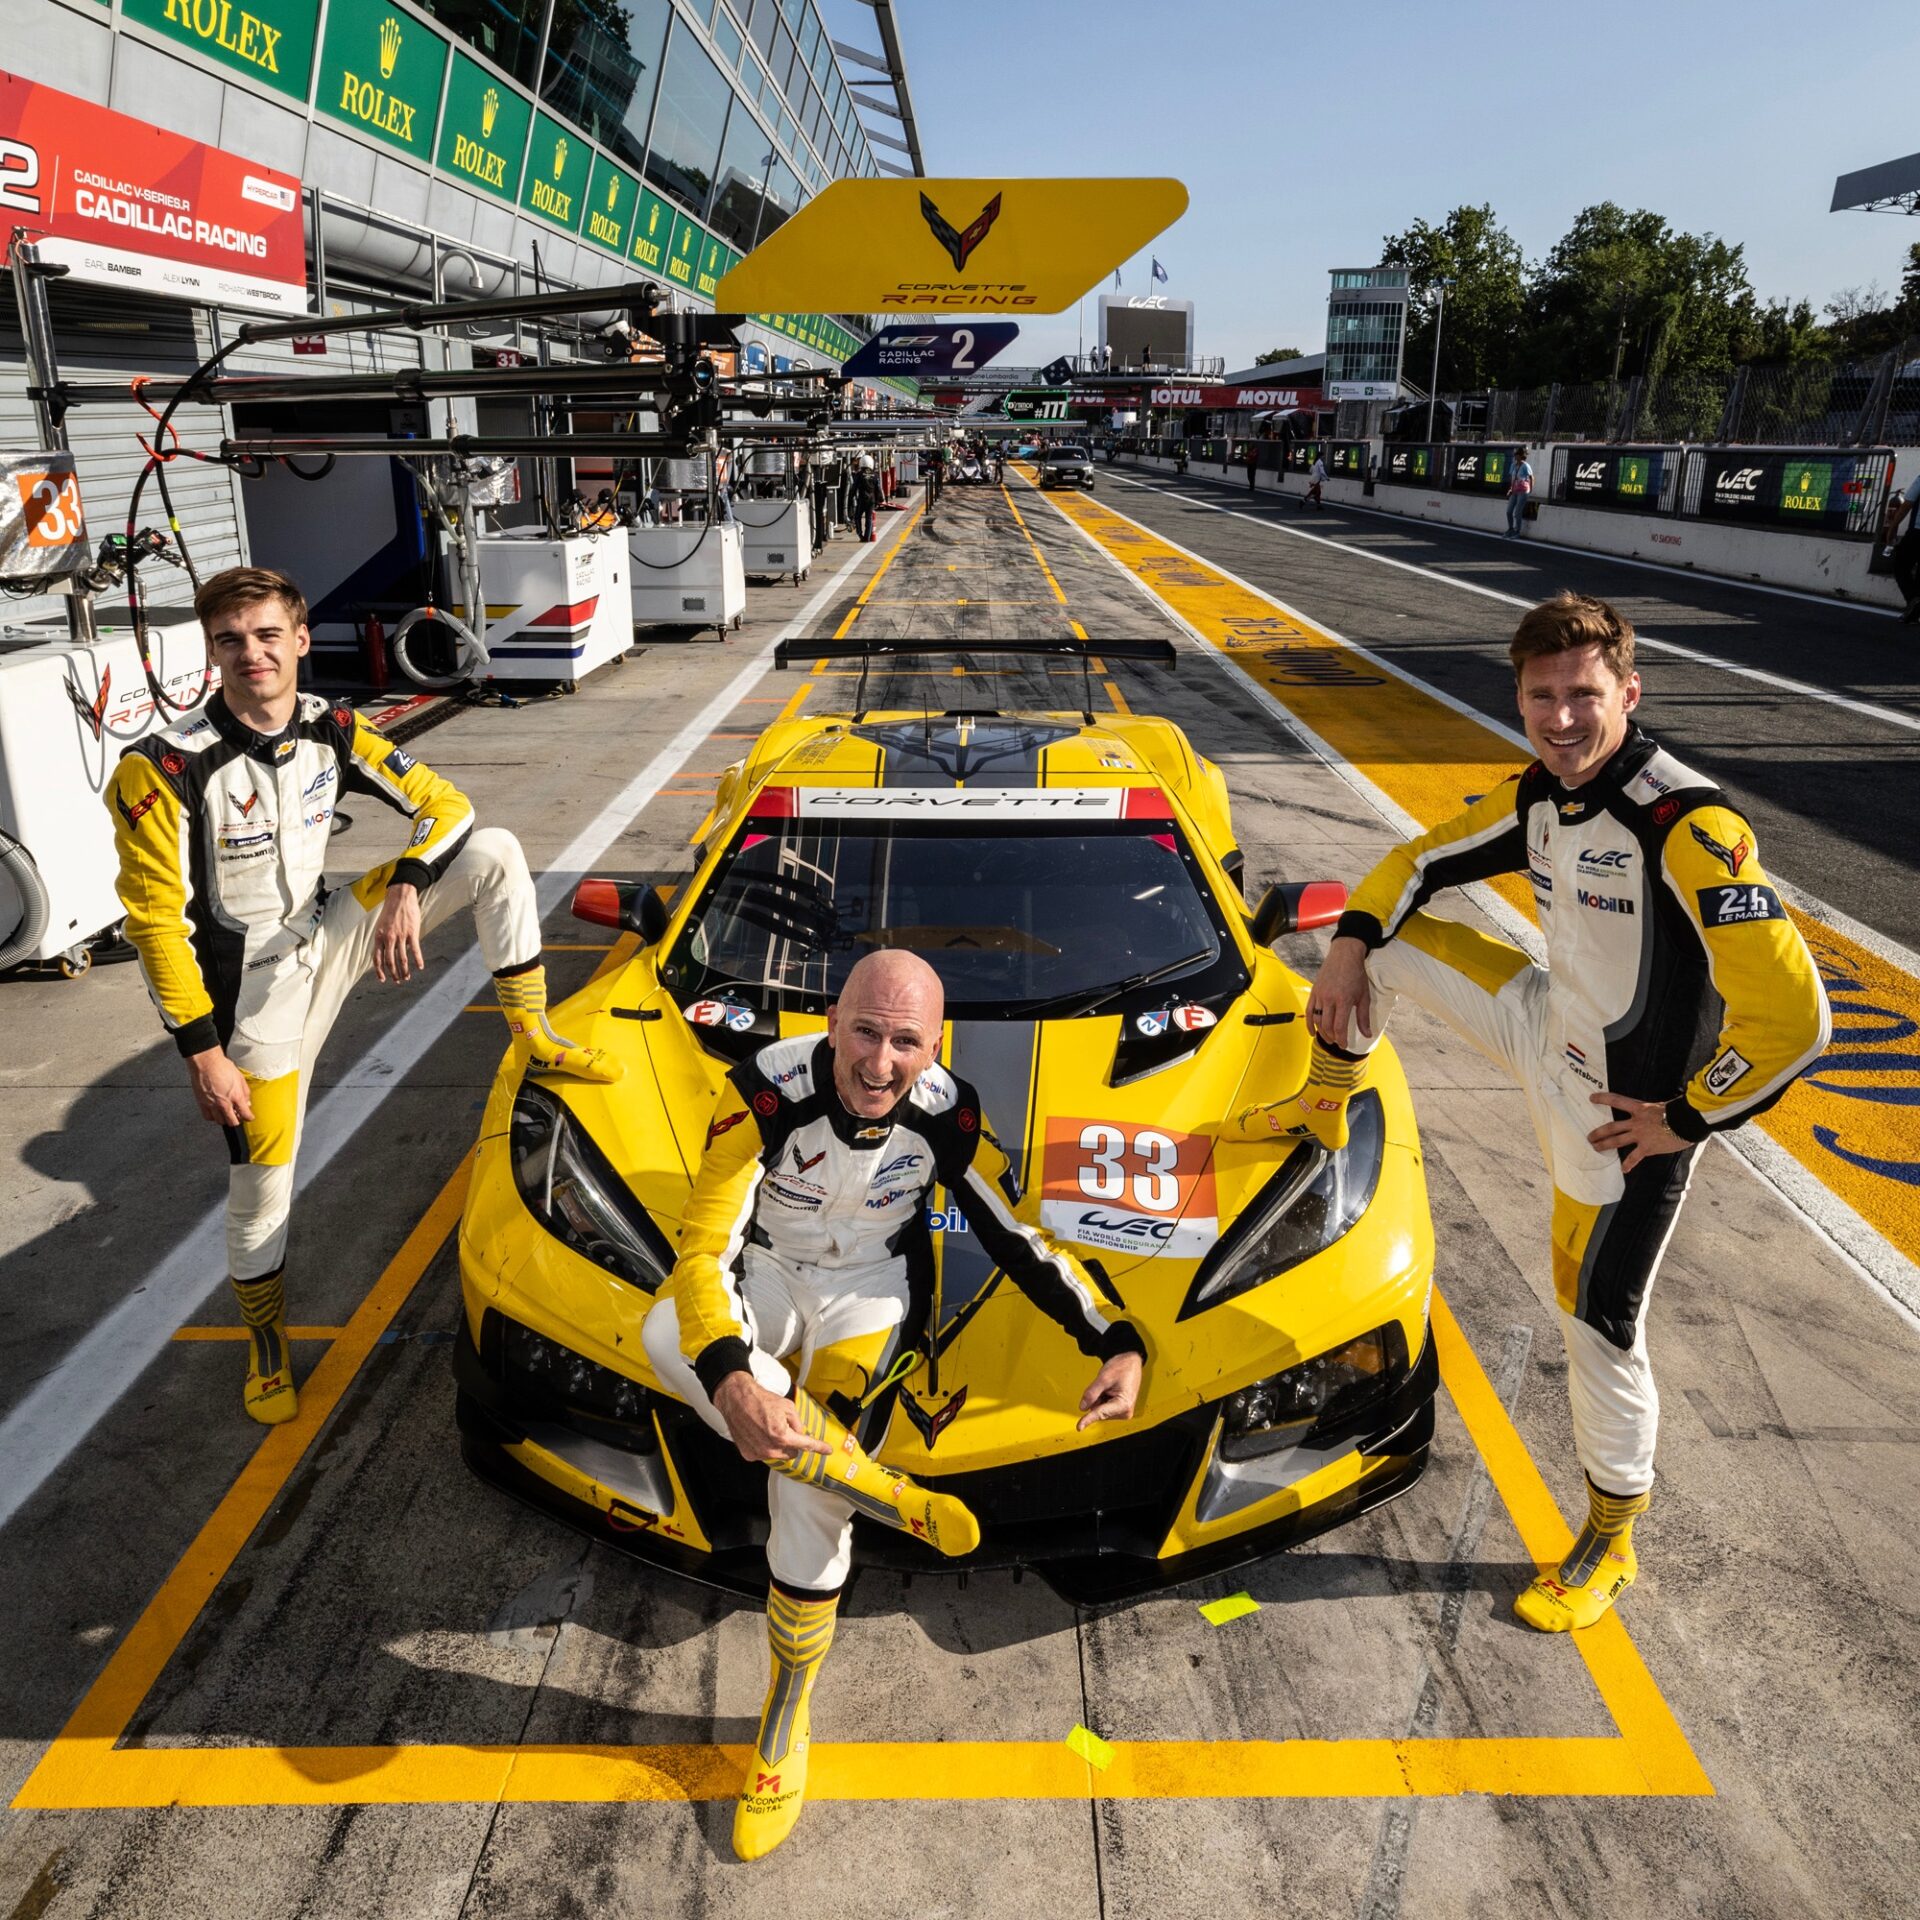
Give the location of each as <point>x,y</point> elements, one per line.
<point>1807,563</point>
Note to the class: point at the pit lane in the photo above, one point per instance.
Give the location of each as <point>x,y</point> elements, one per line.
<point>368,1685</point>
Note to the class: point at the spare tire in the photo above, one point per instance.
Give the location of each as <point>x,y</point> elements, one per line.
<point>24,906</point>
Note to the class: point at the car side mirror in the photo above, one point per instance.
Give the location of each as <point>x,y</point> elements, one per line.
<point>631,906</point>
<point>1295,906</point>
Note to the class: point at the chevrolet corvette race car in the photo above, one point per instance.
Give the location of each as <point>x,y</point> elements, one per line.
<point>1074,881</point>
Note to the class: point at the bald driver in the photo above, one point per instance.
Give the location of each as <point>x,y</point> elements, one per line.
<point>805,1274</point>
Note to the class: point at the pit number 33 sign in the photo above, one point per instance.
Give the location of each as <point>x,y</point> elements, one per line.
<point>1124,1188</point>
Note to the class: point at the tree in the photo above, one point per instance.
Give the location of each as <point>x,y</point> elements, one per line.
<point>1273,354</point>
<point>1623,292</point>
<point>1485,301</point>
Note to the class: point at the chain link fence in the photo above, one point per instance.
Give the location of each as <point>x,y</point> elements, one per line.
<point>1811,403</point>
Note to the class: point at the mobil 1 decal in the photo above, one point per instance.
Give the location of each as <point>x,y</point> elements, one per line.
<point>931,348</point>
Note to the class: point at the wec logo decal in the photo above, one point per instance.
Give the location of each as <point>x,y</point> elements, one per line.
<point>960,245</point>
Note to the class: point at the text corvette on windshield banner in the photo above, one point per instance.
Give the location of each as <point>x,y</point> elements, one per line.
<point>122,204</point>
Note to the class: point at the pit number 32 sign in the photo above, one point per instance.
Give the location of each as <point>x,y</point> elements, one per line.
<point>1125,1188</point>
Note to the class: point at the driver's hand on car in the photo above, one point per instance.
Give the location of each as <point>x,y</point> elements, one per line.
<point>765,1426</point>
<point>1115,1389</point>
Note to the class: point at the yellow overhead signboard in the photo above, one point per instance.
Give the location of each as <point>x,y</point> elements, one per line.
<point>917,246</point>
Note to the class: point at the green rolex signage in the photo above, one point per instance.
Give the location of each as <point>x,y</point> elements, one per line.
<point>1804,487</point>
<point>610,201</point>
<point>1633,472</point>
<point>652,230</point>
<point>713,257</point>
<point>483,132</point>
<point>380,72</point>
<point>683,250</point>
<point>271,40</point>
<point>558,163</point>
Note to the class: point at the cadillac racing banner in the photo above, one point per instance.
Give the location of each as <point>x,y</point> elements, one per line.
<point>122,204</point>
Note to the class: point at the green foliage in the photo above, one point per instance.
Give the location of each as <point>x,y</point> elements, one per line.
<point>1484,304</point>
<point>1274,354</point>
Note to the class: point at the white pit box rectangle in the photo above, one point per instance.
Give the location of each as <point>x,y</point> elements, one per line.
<point>556,609</point>
<point>690,575</point>
<point>776,537</point>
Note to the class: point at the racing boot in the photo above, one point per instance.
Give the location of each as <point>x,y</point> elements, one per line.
<point>523,999</point>
<point>1595,1574</point>
<point>881,1494</point>
<point>270,1396</point>
<point>799,1632</point>
<point>1319,1109</point>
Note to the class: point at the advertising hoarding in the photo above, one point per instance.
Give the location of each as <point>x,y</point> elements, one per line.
<point>122,204</point>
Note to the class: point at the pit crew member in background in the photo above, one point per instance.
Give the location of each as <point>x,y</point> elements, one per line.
<point>222,825</point>
<point>1677,997</point>
<point>803,1275</point>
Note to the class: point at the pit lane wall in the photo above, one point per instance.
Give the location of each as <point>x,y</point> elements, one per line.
<point>1809,563</point>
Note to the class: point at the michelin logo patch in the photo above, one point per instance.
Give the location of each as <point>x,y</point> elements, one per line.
<point>1727,1072</point>
<point>1735,906</point>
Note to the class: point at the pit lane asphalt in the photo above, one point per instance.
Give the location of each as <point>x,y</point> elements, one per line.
<point>1831,791</point>
<point>388,1599</point>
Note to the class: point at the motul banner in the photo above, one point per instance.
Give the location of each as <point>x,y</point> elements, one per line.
<point>1218,399</point>
<point>122,204</point>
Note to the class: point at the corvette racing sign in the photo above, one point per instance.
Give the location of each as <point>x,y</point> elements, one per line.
<point>924,246</point>
<point>119,202</point>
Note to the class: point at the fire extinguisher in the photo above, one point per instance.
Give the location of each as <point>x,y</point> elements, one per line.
<point>376,653</point>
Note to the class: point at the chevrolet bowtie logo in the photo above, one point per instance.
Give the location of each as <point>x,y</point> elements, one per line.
<point>960,245</point>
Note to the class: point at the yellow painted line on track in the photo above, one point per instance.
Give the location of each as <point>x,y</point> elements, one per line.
<point>84,1768</point>
<point>246,1333</point>
<point>1026,533</point>
<point>1851,1123</point>
<point>879,573</point>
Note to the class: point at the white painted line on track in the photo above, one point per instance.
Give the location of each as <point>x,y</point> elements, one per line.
<point>67,1402</point>
<point>1856,1242</point>
<point>1887,716</point>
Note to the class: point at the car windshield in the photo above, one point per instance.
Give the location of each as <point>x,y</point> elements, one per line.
<point>1012,920</point>
<point>1068,453</point>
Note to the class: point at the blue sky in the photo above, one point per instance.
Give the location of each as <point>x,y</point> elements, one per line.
<point>1730,119</point>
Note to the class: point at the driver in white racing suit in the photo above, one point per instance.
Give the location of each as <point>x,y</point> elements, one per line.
<point>795,1285</point>
<point>1678,1000</point>
<point>222,825</point>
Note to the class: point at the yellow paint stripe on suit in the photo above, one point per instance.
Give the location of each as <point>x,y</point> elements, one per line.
<point>1427,757</point>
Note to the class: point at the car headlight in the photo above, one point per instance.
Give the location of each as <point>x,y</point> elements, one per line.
<point>550,1371</point>
<point>571,1188</point>
<point>1313,1199</point>
<point>1282,1410</point>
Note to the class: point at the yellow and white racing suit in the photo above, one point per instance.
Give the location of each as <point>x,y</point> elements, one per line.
<point>222,835</point>
<point>806,1255</point>
<point>1673,973</point>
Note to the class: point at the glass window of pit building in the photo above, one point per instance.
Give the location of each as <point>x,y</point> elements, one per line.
<point>603,63</point>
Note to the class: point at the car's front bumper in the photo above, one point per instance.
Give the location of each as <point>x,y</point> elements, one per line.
<point>1095,1524</point>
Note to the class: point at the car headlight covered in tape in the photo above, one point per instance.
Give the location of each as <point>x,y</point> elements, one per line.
<point>1313,1199</point>
<point>572,1189</point>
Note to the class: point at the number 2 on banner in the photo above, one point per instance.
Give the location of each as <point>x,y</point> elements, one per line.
<point>963,350</point>
<point>1153,1185</point>
<point>19,175</point>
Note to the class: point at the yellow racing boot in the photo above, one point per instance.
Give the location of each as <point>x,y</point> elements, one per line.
<point>799,1632</point>
<point>1595,1574</point>
<point>270,1396</point>
<point>523,999</point>
<point>1319,1109</point>
<point>943,1522</point>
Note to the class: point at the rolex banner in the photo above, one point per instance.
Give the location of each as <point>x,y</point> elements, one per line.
<point>119,203</point>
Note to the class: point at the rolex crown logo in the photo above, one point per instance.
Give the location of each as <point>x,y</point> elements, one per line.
<point>389,46</point>
<point>559,158</point>
<point>489,112</point>
<point>613,192</point>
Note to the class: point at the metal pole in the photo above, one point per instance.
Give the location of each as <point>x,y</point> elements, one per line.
<point>43,375</point>
<point>1433,380</point>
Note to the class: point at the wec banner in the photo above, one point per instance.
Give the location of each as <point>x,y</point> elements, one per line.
<point>122,204</point>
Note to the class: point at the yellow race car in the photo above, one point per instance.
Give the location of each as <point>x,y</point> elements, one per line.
<point>1075,882</point>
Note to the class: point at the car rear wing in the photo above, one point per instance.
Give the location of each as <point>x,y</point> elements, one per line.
<point>1157,652</point>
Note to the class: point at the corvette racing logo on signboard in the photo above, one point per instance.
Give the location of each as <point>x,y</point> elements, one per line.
<point>960,245</point>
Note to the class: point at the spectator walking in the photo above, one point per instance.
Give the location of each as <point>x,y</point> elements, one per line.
<point>1316,479</point>
<point>1519,491</point>
<point>1253,463</point>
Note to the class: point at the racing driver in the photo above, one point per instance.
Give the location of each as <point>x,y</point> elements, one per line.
<point>802,1277</point>
<point>1677,995</point>
<point>222,825</point>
